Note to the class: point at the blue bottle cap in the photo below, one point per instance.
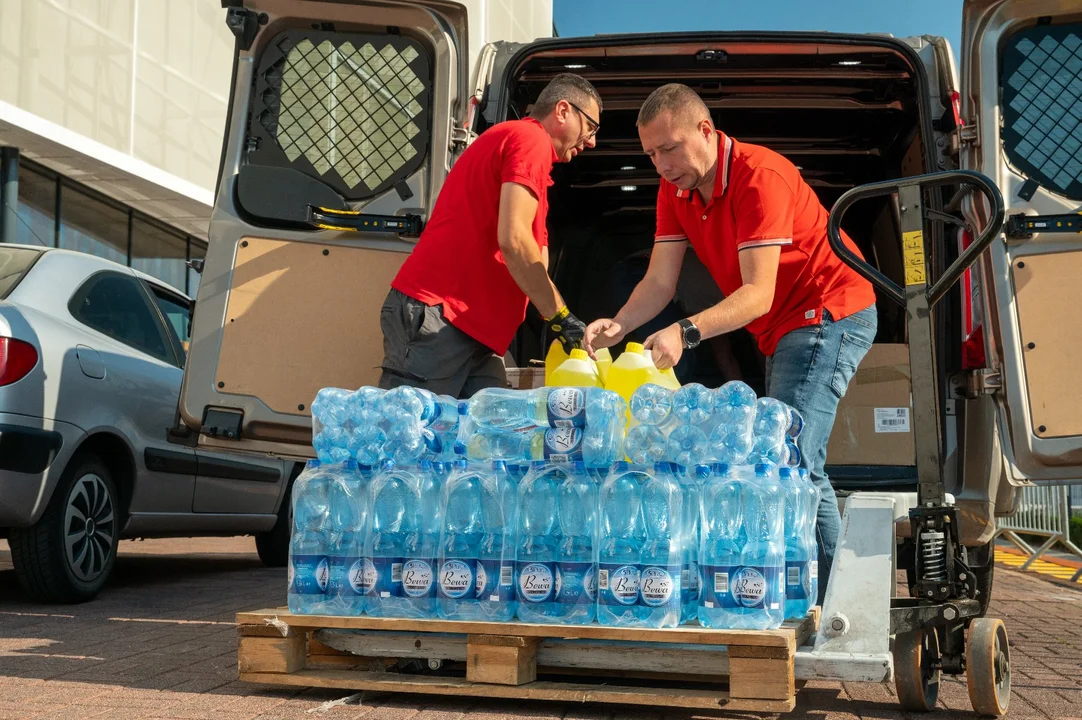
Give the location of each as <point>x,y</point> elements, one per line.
<point>579,466</point>
<point>438,467</point>
<point>720,469</point>
<point>312,464</point>
<point>351,465</point>
<point>785,473</point>
<point>462,464</point>
<point>621,466</point>
<point>499,466</point>
<point>460,448</point>
<point>762,469</point>
<point>386,465</point>
<point>426,465</point>
<point>702,471</point>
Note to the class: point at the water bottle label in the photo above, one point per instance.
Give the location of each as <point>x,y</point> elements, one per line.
<point>563,445</point>
<point>798,584</point>
<point>659,585</point>
<point>456,579</point>
<point>387,580</point>
<point>536,582</point>
<point>309,574</point>
<point>576,583</point>
<point>495,581</point>
<point>716,587</point>
<point>567,408</point>
<point>417,579</point>
<point>757,587</point>
<point>617,584</point>
<point>354,576</point>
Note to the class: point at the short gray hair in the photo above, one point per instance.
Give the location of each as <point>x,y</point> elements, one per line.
<point>680,100</point>
<point>565,86</point>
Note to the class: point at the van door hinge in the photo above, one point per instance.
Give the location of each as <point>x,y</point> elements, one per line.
<point>984,381</point>
<point>461,138</point>
<point>244,24</point>
<point>970,134</point>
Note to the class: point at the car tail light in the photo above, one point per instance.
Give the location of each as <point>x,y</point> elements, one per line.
<point>17,359</point>
<point>973,357</point>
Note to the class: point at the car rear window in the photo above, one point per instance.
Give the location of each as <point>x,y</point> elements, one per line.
<point>1042,106</point>
<point>14,264</point>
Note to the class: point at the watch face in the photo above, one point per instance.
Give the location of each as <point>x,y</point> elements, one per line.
<point>691,336</point>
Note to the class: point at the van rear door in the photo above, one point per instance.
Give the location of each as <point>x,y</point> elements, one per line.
<point>1022,105</point>
<point>344,119</point>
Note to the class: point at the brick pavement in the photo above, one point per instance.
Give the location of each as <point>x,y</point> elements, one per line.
<point>160,643</point>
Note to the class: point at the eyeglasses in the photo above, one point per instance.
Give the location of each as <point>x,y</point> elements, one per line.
<point>593,124</point>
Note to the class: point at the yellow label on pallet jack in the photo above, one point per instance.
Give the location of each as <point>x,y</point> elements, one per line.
<point>913,251</point>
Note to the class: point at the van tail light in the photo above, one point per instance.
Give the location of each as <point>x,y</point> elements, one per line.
<point>973,357</point>
<point>956,109</point>
<point>17,359</point>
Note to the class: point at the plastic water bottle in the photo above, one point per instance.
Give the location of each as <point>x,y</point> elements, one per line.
<point>461,532</point>
<point>661,563</point>
<point>721,546</point>
<point>620,547</point>
<point>538,538</point>
<point>330,408</point>
<point>395,505</point>
<point>419,560</point>
<point>496,570</point>
<point>731,444</point>
<point>367,439</point>
<point>596,447</point>
<point>476,555</point>
<point>693,404</point>
<point>651,404</point>
<point>734,404</point>
<point>690,575</point>
<point>645,444</point>
<point>348,514</point>
<point>544,407</point>
<point>688,445</point>
<point>331,444</point>
<point>309,567</point>
<point>758,585</point>
<point>798,583</point>
<point>576,567</point>
<point>811,508</point>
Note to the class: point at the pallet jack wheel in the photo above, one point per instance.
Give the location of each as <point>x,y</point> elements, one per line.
<point>988,667</point>
<point>917,669</point>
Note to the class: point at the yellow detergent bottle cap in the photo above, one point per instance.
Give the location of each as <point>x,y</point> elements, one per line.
<point>634,347</point>
<point>580,354</point>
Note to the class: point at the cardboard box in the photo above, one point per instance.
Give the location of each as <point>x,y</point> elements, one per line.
<point>525,378</point>
<point>874,425</point>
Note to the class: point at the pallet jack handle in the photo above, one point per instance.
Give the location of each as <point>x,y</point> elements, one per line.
<point>914,246</point>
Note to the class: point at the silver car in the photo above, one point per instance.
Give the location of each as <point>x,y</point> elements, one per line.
<point>91,361</point>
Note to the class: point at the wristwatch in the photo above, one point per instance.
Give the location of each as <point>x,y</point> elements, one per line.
<point>691,335</point>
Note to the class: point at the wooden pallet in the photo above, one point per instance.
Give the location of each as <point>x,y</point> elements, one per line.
<point>686,667</point>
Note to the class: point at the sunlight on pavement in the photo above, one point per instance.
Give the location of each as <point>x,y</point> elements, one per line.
<point>1041,567</point>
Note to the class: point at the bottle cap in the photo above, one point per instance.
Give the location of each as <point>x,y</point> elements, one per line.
<point>579,354</point>
<point>634,347</point>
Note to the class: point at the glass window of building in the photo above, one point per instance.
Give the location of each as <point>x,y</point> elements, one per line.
<point>198,252</point>
<point>91,225</point>
<point>36,210</point>
<point>159,253</point>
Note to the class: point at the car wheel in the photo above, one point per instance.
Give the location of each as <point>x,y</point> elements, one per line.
<point>273,545</point>
<point>69,553</point>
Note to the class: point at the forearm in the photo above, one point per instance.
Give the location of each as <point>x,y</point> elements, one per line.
<point>746,304</point>
<point>647,300</point>
<point>526,264</point>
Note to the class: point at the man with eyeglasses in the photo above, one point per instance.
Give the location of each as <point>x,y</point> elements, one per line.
<point>457,301</point>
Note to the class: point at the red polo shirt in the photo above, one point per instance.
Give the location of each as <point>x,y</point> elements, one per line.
<point>457,262</point>
<point>760,199</point>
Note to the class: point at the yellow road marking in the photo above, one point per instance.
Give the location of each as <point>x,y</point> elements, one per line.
<point>1040,567</point>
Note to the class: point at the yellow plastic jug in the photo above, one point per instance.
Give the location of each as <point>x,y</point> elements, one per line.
<point>577,371</point>
<point>555,358</point>
<point>604,362</point>
<point>667,377</point>
<point>631,370</point>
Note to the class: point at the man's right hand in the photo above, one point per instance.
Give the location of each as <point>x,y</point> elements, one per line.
<point>567,328</point>
<point>602,333</point>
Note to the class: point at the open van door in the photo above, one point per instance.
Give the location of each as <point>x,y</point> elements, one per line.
<point>1022,105</point>
<point>344,120</point>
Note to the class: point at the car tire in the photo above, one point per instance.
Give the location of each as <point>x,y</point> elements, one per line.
<point>273,545</point>
<point>69,553</point>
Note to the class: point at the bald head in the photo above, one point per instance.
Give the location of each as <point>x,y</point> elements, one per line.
<point>680,101</point>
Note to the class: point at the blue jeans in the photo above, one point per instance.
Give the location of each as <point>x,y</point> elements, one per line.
<point>810,370</point>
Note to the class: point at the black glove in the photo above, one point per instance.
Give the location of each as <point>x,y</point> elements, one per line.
<point>567,328</point>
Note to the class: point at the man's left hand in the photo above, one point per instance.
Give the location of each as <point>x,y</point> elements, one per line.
<point>666,346</point>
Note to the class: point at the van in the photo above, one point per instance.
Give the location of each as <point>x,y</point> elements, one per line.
<point>345,118</point>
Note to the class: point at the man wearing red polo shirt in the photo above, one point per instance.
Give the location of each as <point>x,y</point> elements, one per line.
<point>761,232</point>
<point>456,303</point>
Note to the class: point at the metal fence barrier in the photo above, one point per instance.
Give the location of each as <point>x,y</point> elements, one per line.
<point>1042,511</point>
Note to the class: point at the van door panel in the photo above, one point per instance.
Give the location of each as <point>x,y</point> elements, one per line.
<point>287,307</point>
<point>1011,122</point>
<point>310,314</point>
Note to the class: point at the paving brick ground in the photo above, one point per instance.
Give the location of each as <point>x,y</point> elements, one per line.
<point>160,643</point>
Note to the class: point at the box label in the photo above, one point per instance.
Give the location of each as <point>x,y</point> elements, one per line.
<point>892,420</point>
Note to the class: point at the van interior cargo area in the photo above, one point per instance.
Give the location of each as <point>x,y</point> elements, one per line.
<point>845,114</point>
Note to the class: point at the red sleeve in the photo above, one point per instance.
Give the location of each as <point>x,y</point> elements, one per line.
<point>668,227</point>
<point>527,161</point>
<point>764,207</point>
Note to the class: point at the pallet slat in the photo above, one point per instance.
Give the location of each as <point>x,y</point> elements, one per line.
<point>539,690</point>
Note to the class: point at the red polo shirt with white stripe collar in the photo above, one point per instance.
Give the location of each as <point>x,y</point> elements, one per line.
<point>760,199</point>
